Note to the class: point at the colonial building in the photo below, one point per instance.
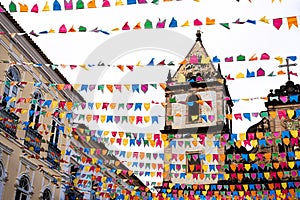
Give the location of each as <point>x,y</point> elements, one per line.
<point>32,133</point>
<point>195,120</point>
<point>266,158</point>
<point>35,129</point>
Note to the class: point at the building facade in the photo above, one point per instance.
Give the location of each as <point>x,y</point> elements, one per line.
<point>42,155</point>
<point>195,120</point>
<point>31,131</point>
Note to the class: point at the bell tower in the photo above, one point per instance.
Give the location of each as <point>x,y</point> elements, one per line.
<point>197,104</point>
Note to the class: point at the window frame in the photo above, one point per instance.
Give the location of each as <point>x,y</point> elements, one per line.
<point>193,98</point>
<point>199,152</point>
<point>20,189</point>
<point>37,108</point>
<point>11,90</point>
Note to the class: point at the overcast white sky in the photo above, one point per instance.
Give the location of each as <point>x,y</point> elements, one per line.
<point>245,39</point>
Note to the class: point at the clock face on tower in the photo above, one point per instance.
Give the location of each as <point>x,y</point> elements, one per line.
<point>194,110</point>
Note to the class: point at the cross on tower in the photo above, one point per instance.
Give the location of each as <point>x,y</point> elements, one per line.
<point>288,65</point>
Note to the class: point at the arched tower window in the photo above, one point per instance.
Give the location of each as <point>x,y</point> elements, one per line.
<point>34,113</point>
<point>23,189</point>
<point>46,194</point>
<point>11,90</point>
<point>194,109</point>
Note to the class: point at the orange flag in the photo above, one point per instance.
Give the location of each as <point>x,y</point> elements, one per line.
<point>110,88</point>
<point>210,21</point>
<point>292,21</point>
<point>23,7</point>
<point>92,4</point>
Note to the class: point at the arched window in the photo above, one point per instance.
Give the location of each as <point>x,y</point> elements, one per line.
<point>56,122</point>
<point>193,109</point>
<point>34,113</point>
<point>11,90</point>
<point>22,192</point>
<point>2,176</point>
<point>46,194</point>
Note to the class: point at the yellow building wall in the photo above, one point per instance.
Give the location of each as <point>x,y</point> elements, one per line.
<point>18,162</point>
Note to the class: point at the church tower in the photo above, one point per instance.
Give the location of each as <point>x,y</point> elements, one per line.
<point>197,106</point>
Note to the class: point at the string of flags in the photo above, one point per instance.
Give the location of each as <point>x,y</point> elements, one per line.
<point>79,5</point>
<point>140,119</point>
<point>72,105</point>
<point>259,73</point>
<point>253,140</point>
<point>161,24</point>
<point>91,87</point>
<point>192,60</point>
<point>206,157</point>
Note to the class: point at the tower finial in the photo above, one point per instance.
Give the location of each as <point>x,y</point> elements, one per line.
<point>169,78</point>
<point>198,35</point>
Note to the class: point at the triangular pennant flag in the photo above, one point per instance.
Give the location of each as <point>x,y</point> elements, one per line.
<point>264,19</point>
<point>226,25</point>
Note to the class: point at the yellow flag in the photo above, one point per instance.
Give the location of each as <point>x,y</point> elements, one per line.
<point>194,117</point>
<point>166,143</point>
<point>103,117</point>
<point>290,113</point>
<point>205,60</point>
<point>252,156</point>
<point>147,106</point>
<point>24,111</point>
<point>119,3</point>
<point>240,75</point>
<point>127,86</point>
<point>97,105</point>
<point>186,23</point>
<point>247,166</point>
<point>291,164</point>
<point>242,136</point>
<point>280,59</point>
<point>13,99</point>
<point>254,143</point>
<point>46,7</point>
<point>62,115</point>
<point>146,119</point>
<point>294,133</point>
<point>264,19</point>
<point>205,168</point>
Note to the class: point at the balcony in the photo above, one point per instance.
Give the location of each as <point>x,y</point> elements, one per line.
<point>8,122</point>
<point>33,140</point>
<point>53,155</point>
<point>73,193</point>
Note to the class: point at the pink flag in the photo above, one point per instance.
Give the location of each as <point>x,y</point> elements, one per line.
<point>106,3</point>
<point>35,8</point>
<point>126,26</point>
<point>277,23</point>
<point>194,59</point>
<point>197,22</point>
<point>265,56</point>
<point>68,6</point>
<point>62,29</point>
